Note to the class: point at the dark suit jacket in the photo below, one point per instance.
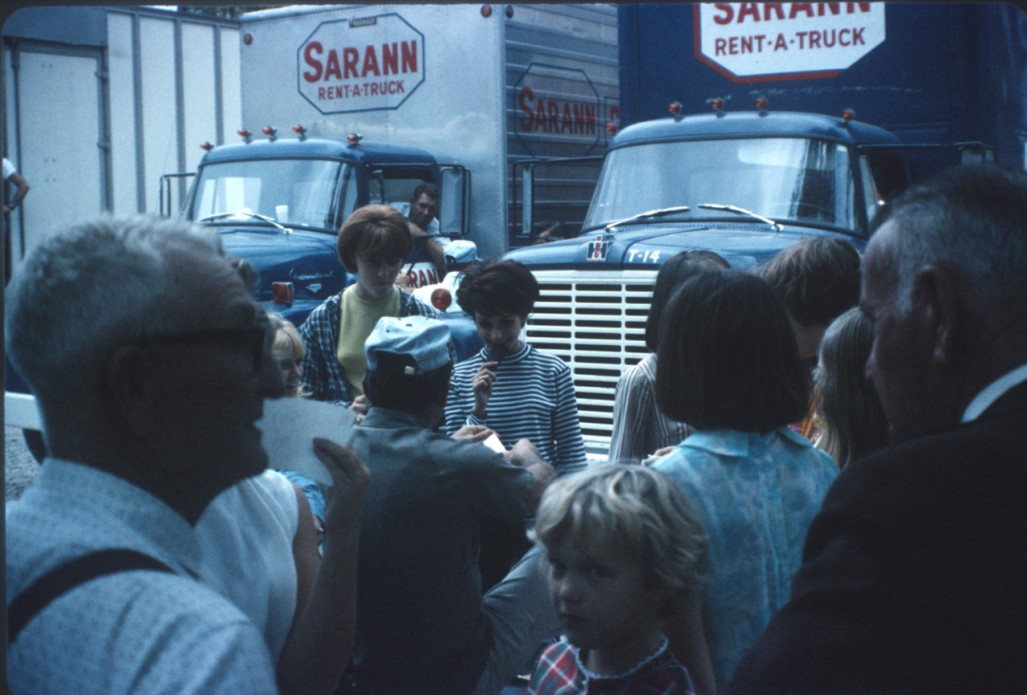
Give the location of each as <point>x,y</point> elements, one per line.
<point>914,574</point>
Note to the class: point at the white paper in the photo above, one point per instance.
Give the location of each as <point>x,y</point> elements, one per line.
<point>288,429</point>
<point>495,444</point>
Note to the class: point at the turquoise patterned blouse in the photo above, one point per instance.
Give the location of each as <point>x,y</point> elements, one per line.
<point>755,495</point>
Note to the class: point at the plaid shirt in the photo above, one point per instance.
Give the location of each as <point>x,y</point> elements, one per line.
<point>560,672</point>
<point>322,373</point>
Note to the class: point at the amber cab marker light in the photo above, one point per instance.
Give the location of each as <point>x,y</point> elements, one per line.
<point>281,292</point>
<point>441,298</point>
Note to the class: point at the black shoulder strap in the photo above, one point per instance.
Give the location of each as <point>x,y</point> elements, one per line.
<point>66,577</point>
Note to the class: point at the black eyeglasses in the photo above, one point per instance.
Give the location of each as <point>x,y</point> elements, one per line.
<point>254,339</point>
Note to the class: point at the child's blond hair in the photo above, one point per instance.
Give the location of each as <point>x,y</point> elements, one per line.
<point>632,510</point>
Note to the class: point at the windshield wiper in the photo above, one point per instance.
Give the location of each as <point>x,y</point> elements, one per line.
<point>247,213</point>
<point>741,211</point>
<point>650,214</point>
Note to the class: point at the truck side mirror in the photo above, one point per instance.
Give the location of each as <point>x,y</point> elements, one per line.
<point>454,215</point>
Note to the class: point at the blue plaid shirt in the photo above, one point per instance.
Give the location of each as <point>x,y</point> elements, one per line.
<point>322,374</point>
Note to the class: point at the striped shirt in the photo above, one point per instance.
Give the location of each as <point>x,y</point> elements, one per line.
<point>532,398</point>
<point>639,428</point>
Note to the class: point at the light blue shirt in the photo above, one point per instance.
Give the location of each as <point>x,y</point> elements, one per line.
<point>755,495</point>
<point>131,632</point>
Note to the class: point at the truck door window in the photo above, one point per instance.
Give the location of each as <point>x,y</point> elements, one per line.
<point>874,198</point>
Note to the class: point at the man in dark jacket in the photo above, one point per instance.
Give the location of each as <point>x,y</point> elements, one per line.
<point>914,571</point>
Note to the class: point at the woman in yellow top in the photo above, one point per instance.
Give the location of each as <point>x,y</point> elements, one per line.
<point>373,243</point>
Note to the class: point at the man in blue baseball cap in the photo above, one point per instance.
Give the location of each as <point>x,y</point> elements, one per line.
<point>423,625</point>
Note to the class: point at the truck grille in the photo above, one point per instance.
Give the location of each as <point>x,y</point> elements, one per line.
<point>595,322</point>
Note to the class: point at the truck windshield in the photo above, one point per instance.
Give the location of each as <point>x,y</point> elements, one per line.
<point>787,179</point>
<point>295,192</point>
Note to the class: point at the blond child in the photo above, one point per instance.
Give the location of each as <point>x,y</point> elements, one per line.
<point>623,553</point>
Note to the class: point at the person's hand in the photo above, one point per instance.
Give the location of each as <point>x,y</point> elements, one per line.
<point>523,453</point>
<point>481,386</point>
<point>360,405</point>
<point>403,280</point>
<point>472,433</point>
<point>526,455</point>
<point>350,477</point>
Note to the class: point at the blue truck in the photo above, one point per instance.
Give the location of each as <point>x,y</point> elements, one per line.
<point>739,135</point>
<point>337,106</point>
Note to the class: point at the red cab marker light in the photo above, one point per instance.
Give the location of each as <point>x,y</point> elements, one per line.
<point>761,103</point>
<point>675,108</point>
<point>717,103</point>
<point>848,115</point>
<point>486,11</point>
<point>611,128</point>
<point>269,131</point>
<point>299,130</point>
<point>281,292</point>
<point>354,138</point>
<point>441,298</point>
<point>206,146</point>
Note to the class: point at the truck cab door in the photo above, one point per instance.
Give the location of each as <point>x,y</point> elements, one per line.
<point>454,208</point>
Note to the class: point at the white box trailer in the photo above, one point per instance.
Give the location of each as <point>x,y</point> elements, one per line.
<point>99,102</point>
<point>480,86</point>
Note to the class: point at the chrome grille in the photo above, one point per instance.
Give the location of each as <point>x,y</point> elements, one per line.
<point>595,322</point>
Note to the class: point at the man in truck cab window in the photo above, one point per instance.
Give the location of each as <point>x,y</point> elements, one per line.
<point>427,262</point>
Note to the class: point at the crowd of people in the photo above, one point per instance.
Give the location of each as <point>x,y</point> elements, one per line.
<point>814,483</point>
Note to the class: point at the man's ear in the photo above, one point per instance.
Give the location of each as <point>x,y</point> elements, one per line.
<point>935,296</point>
<point>130,380</point>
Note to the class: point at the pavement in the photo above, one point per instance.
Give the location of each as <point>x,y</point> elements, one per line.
<point>20,467</point>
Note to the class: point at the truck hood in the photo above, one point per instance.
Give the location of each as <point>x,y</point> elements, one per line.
<point>306,259</point>
<point>742,244</point>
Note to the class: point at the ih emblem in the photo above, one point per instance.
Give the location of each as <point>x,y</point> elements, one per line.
<point>597,249</point>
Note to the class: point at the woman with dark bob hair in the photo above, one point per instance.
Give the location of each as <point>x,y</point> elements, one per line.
<point>373,243</point>
<point>640,429</point>
<point>513,389</point>
<point>728,364</point>
<point>510,387</point>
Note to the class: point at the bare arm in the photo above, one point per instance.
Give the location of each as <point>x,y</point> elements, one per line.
<point>23,189</point>
<point>687,640</point>
<point>431,247</point>
<point>318,648</point>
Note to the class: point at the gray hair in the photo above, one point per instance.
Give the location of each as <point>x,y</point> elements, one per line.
<point>972,218</point>
<point>90,288</point>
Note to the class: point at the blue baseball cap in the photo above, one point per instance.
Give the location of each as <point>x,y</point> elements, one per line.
<point>425,341</point>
